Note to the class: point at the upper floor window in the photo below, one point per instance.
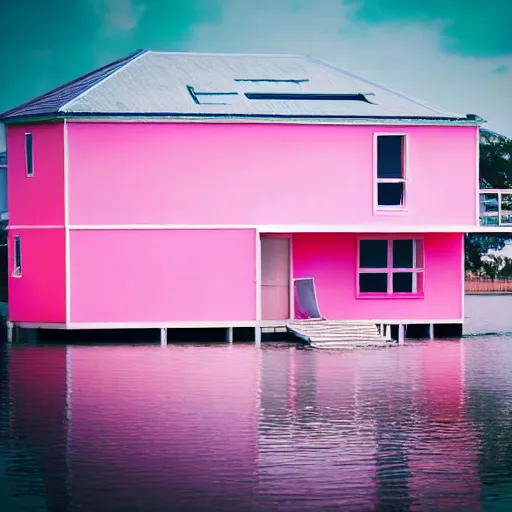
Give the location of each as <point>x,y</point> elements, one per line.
<point>29,157</point>
<point>390,172</point>
<point>17,257</point>
<point>390,267</point>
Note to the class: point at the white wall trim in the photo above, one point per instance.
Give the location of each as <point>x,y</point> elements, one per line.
<point>258,275</point>
<point>213,325</point>
<point>67,246</point>
<point>42,226</point>
<point>292,228</point>
<point>138,325</point>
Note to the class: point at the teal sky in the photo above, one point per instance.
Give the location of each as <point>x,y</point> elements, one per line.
<point>454,53</point>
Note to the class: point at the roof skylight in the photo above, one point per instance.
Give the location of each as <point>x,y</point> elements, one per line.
<point>269,96</point>
<point>211,98</point>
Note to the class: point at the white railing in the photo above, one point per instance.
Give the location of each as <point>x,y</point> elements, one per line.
<point>496,207</point>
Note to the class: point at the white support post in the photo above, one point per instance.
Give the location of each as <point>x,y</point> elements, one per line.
<point>388,332</point>
<point>163,337</point>
<point>229,335</point>
<point>431,331</point>
<point>401,334</point>
<point>10,329</point>
<point>257,335</point>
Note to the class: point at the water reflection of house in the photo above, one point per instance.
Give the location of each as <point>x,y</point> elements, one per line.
<point>238,425</point>
<point>361,422</point>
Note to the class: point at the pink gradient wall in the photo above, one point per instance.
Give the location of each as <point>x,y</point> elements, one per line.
<point>40,294</point>
<point>163,275</point>
<point>38,200</point>
<point>332,260</point>
<point>168,173</point>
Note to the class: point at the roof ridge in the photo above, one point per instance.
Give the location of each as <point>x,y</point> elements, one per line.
<point>126,61</point>
<point>229,54</point>
<point>432,108</point>
<point>114,63</point>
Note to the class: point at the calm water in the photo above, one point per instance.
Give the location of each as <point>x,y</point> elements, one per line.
<point>236,428</point>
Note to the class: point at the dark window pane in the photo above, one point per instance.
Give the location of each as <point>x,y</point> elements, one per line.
<point>390,156</point>
<point>390,194</point>
<point>17,255</point>
<point>373,283</point>
<point>373,254</point>
<point>28,153</point>
<point>402,282</point>
<point>403,253</point>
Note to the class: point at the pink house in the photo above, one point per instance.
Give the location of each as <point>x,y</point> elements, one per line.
<point>172,190</point>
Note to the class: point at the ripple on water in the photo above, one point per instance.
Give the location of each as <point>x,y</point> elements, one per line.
<point>235,428</point>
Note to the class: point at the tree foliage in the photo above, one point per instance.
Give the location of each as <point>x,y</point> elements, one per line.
<point>496,162</point>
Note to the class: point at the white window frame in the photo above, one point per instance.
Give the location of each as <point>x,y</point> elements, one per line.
<point>29,169</point>
<point>390,270</point>
<point>17,265</point>
<point>376,180</point>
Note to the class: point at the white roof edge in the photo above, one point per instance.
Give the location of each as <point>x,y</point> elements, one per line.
<point>66,107</point>
<point>432,108</point>
<point>228,54</point>
<point>339,121</point>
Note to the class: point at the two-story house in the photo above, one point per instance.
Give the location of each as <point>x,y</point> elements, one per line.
<point>189,190</point>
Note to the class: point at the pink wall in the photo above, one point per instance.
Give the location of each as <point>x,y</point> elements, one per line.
<point>332,260</point>
<point>262,174</point>
<point>40,294</point>
<point>164,275</point>
<point>38,200</point>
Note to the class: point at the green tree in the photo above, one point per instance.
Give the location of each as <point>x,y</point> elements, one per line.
<point>495,162</point>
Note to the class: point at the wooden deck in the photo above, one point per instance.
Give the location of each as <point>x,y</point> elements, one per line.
<point>321,333</point>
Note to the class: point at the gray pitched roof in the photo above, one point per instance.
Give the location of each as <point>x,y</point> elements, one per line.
<point>152,84</point>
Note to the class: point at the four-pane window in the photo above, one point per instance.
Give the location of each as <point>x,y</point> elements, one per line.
<point>389,267</point>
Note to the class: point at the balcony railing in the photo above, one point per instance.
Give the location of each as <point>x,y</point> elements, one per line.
<point>496,207</point>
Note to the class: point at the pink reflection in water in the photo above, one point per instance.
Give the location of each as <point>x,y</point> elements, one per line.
<point>225,427</point>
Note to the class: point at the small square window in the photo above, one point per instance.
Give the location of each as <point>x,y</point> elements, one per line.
<point>403,253</point>
<point>403,282</point>
<point>373,254</point>
<point>17,257</point>
<point>373,283</point>
<point>29,157</point>
<point>390,194</point>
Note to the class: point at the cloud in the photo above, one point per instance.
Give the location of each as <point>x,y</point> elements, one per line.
<point>404,56</point>
<point>501,69</point>
<point>118,16</point>
<point>470,28</point>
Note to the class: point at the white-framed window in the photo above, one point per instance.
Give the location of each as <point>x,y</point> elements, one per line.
<point>29,156</point>
<point>390,171</point>
<point>390,267</point>
<point>17,257</point>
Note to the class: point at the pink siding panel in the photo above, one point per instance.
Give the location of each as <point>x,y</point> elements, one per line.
<point>157,173</point>
<point>163,275</point>
<point>332,260</point>
<point>38,200</point>
<point>40,294</point>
